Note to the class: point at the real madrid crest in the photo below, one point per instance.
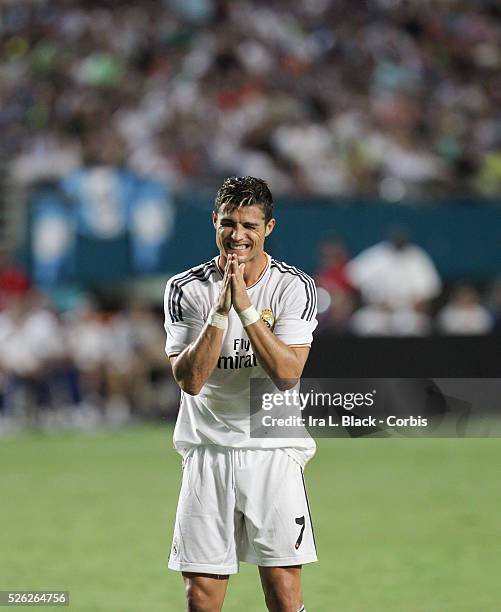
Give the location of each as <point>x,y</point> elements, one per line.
<point>267,317</point>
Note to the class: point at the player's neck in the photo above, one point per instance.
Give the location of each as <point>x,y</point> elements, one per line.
<point>254,269</point>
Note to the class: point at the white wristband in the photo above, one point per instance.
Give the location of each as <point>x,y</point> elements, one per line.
<point>249,316</point>
<point>218,320</point>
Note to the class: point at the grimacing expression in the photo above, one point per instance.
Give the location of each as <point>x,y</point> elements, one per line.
<point>242,231</point>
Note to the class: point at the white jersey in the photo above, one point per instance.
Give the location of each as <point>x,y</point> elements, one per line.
<point>286,299</point>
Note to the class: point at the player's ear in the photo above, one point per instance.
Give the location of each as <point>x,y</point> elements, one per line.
<point>269,227</point>
<point>214,218</point>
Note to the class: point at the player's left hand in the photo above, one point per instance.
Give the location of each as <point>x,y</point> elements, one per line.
<point>239,294</point>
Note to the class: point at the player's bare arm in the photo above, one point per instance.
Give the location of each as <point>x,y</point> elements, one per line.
<point>193,366</point>
<point>283,364</point>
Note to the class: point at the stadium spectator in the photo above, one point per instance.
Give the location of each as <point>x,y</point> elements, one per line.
<point>148,394</point>
<point>464,314</point>
<point>14,282</point>
<point>396,280</point>
<point>100,345</point>
<point>33,357</point>
<point>332,270</point>
<point>334,287</point>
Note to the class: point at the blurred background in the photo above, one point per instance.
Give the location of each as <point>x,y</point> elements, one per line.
<point>378,126</point>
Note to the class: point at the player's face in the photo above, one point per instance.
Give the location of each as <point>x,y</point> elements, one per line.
<point>242,231</point>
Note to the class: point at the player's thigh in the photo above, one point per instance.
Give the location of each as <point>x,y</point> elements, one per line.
<point>278,527</point>
<point>205,591</point>
<point>205,526</point>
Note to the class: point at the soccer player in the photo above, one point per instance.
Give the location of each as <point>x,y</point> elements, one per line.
<point>239,316</point>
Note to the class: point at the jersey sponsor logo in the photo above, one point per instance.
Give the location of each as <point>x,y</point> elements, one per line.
<point>241,359</point>
<point>301,522</point>
<point>268,318</point>
<point>230,362</point>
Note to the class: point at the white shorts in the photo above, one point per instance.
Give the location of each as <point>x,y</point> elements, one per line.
<point>241,505</point>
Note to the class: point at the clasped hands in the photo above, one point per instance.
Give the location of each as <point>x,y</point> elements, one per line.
<point>234,291</point>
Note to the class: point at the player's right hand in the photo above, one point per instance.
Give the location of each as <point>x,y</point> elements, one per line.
<point>224,300</point>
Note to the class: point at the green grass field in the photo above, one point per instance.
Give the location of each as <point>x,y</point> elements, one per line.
<point>403,525</point>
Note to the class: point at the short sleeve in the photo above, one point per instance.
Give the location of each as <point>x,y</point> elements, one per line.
<point>297,319</point>
<point>183,321</point>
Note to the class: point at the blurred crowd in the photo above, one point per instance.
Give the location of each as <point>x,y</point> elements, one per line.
<point>393,289</point>
<point>384,98</point>
<point>387,97</point>
<point>80,366</point>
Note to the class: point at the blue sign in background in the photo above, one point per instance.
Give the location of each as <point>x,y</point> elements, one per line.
<point>463,239</point>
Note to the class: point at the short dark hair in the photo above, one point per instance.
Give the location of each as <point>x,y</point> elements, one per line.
<point>238,191</point>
